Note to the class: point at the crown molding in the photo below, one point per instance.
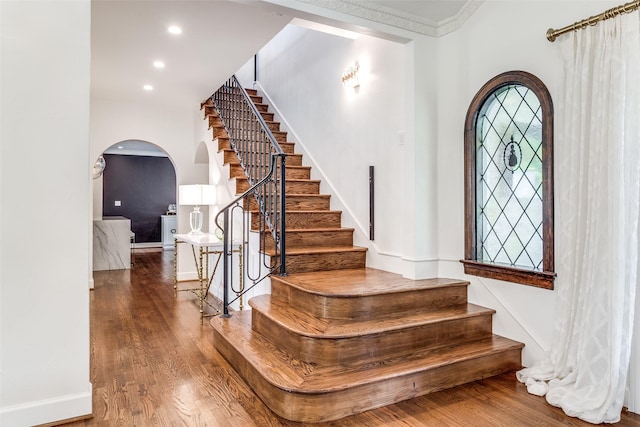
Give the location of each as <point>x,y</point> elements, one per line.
<point>450,25</point>
<point>396,18</point>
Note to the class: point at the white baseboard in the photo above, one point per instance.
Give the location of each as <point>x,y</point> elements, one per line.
<point>187,275</point>
<point>147,245</point>
<point>48,410</point>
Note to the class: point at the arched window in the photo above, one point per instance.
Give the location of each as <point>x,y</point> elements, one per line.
<point>509,181</point>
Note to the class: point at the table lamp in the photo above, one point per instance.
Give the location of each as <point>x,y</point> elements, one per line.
<point>196,195</point>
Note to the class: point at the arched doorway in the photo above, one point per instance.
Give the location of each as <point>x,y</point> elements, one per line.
<point>139,183</point>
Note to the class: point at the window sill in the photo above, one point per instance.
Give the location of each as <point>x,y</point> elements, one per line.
<point>540,279</point>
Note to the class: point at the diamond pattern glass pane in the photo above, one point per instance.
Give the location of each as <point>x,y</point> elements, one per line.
<point>509,181</point>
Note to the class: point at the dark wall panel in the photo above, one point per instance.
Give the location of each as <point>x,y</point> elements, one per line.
<point>145,187</point>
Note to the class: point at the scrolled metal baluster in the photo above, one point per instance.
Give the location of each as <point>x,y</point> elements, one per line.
<point>263,161</point>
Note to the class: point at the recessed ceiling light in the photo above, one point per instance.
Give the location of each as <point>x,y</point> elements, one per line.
<point>120,147</point>
<point>158,64</point>
<point>147,87</point>
<point>174,29</point>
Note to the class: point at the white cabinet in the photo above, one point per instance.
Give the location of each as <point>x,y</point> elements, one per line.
<point>169,228</point>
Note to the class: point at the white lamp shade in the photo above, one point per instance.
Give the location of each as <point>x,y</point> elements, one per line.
<point>197,195</point>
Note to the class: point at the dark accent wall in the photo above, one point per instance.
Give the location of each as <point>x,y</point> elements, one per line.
<point>145,187</point>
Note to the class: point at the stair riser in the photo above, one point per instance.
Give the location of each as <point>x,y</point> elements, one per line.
<point>287,147</point>
<point>274,126</point>
<point>372,347</point>
<point>236,171</point>
<point>293,187</point>
<point>297,173</point>
<point>302,263</point>
<point>298,203</point>
<point>368,306</point>
<point>215,121</point>
<point>280,136</point>
<point>256,99</point>
<point>300,220</point>
<point>313,238</point>
<point>209,110</point>
<point>292,159</point>
<point>230,157</point>
<point>219,132</point>
<point>223,144</point>
<point>263,108</point>
<point>324,407</point>
<point>267,116</point>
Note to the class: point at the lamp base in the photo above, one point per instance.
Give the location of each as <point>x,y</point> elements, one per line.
<point>195,220</point>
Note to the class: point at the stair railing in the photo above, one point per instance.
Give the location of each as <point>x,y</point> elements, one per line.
<point>264,163</point>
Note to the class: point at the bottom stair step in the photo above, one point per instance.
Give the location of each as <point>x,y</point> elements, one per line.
<point>306,392</point>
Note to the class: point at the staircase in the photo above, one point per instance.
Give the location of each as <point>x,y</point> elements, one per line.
<point>335,338</point>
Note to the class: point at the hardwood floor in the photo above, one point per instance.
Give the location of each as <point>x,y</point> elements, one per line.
<point>154,364</point>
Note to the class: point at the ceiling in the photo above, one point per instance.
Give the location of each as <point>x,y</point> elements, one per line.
<point>432,10</point>
<point>218,37</point>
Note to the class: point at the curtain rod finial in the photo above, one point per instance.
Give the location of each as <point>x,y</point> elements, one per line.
<point>551,36</point>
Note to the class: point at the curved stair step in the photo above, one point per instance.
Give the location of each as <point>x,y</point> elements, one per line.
<point>305,392</point>
<point>338,341</point>
<point>365,292</point>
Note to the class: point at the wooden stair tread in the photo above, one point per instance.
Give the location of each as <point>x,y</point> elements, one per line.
<point>297,376</point>
<point>292,180</point>
<point>308,195</point>
<point>333,378</point>
<point>318,250</point>
<point>361,282</point>
<point>266,167</point>
<point>320,230</point>
<point>237,331</point>
<point>305,211</point>
<point>310,326</point>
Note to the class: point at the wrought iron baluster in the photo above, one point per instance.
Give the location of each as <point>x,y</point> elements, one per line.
<point>263,161</point>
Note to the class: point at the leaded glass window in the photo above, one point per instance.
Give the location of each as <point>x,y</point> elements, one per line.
<point>508,162</point>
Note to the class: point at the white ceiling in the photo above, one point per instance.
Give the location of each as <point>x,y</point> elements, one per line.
<point>218,38</point>
<point>432,10</point>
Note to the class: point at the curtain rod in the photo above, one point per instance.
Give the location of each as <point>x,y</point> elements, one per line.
<point>593,20</point>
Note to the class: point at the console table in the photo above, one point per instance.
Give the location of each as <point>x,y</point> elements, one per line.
<point>202,246</point>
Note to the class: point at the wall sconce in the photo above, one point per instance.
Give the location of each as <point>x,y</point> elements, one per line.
<point>351,79</point>
<point>196,195</point>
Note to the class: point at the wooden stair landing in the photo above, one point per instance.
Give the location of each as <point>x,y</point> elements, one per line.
<point>338,350</point>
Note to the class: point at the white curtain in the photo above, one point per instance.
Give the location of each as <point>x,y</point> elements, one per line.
<point>597,177</point>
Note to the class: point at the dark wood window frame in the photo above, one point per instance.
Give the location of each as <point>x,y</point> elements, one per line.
<point>544,278</point>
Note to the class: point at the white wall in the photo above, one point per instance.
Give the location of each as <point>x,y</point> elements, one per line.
<point>500,36</point>
<point>176,130</point>
<point>45,220</point>
<point>342,133</point>
<point>422,88</point>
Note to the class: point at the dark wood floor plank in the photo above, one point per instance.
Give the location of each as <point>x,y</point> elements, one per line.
<point>154,364</point>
